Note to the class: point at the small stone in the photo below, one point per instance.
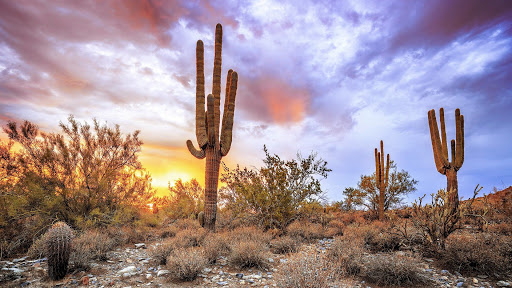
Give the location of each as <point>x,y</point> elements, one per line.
<point>459,284</point>
<point>19,259</point>
<point>222,283</point>
<point>129,269</point>
<point>207,270</point>
<point>13,270</point>
<point>445,272</point>
<point>85,281</point>
<point>503,284</point>
<point>475,280</point>
<point>140,246</point>
<point>270,260</point>
<point>429,260</point>
<point>149,276</point>
<point>162,272</point>
<point>129,260</point>
<point>283,260</point>
<point>239,275</point>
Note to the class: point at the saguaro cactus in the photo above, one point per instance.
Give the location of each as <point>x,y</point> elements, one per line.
<point>57,250</point>
<point>440,148</point>
<point>381,177</point>
<point>207,125</point>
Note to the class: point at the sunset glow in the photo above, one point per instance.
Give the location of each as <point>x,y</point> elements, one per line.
<point>332,77</point>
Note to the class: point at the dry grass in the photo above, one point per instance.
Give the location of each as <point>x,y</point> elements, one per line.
<point>36,250</point>
<point>91,244</point>
<point>304,271</point>
<point>215,245</point>
<point>393,270</point>
<point>346,255</point>
<point>305,231</point>
<point>482,253</point>
<point>190,237</point>
<point>250,233</point>
<point>248,254</point>
<point>284,245</point>
<point>334,228</point>
<point>185,264</point>
<point>161,251</point>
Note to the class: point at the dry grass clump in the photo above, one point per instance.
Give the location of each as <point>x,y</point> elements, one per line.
<point>250,233</point>
<point>393,270</point>
<point>482,253</point>
<point>36,250</point>
<point>91,244</point>
<point>190,237</point>
<point>284,245</point>
<point>382,241</point>
<point>248,253</point>
<point>186,263</point>
<point>346,256</point>
<point>334,228</point>
<point>304,271</point>
<point>500,228</point>
<point>161,251</point>
<point>215,245</point>
<point>305,231</point>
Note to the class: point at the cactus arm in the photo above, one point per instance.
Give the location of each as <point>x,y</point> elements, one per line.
<point>461,159</point>
<point>229,113</point>
<point>382,163</point>
<point>210,120</point>
<point>444,143</point>
<point>458,137</point>
<point>454,157</point>
<point>200,99</point>
<point>199,154</point>
<point>387,173</point>
<point>216,76</point>
<point>441,162</point>
<point>226,103</point>
<point>377,167</point>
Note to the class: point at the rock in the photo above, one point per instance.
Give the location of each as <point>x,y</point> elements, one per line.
<point>13,270</point>
<point>459,284</point>
<point>128,271</point>
<point>283,260</point>
<point>503,284</point>
<point>85,280</point>
<point>140,246</point>
<point>129,260</point>
<point>222,283</point>
<point>239,275</point>
<point>207,270</point>
<point>475,280</point>
<point>19,259</point>
<point>270,260</point>
<point>162,273</point>
<point>149,276</point>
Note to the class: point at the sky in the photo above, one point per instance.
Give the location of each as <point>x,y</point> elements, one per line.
<point>330,77</point>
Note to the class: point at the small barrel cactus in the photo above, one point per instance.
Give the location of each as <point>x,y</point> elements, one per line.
<point>57,249</point>
<point>200,217</point>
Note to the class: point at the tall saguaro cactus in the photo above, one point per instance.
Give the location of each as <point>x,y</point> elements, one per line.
<point>207,124</point>
<point>440,148</point>
<point>381,177</point>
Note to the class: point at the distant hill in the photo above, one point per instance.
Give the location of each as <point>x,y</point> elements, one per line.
<point>499,199</point>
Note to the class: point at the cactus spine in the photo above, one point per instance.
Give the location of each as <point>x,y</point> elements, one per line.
<point>57,249</point>
<point>440,148</point>
<point>207,124</point>
<point>381,177</point>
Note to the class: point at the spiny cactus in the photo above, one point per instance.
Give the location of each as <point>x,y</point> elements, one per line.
<point>200,218</point>
<point>207,125</point>
<point>440,148</point>
<point>381,177</point>
<point>57,249</point>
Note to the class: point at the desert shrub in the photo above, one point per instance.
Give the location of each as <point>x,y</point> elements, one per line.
<point>248,253</point>
<point>168,231</point>
<point>303,271</point>
<point>284,245</point>
<point>305,231</point>
<point>346,256</point>
<point>503,228</point>
<point>482,253</point>
<point>187,223</point>
<point>250,233</point>
<point>215,245</point>
<point>381,240</point>
<point>161,251</point>
<point>393,270</point>
<point>36,250</point>
<point>190,237</point>
<point>334,228</point>
<point>353,217</point>
<point>92,244</point>
<point>186,263</point>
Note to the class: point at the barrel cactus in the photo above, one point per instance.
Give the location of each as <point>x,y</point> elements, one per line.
<point>57,249</point>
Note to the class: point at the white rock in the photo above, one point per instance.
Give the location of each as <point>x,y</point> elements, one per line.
<point>13,270</point>
<point>502,284</point>
<point>162,272</point>
<point>149,276</point>
<point>140,245</point>
<point>129,269</point>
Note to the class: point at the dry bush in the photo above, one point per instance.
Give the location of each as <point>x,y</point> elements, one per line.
<point>91,244</point>
<point>503,228</point>
<point>393,270</point>
<point>215,245</point>
<point>346,256</point>
<point>305,231</point>
<point>161,251</point>
<point>482,253</point>
<point>190,237</point>
<point>304,271</point>
<point>186,263</point>
<point>250,233</point>
<point>36,250</point>
<point>382,241</point>
<point>248,253</point>
<point>284,245</point>
<point>187,223</point>
<point>353,217</point>
<point>168,231</point>
<point>334,228</point>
